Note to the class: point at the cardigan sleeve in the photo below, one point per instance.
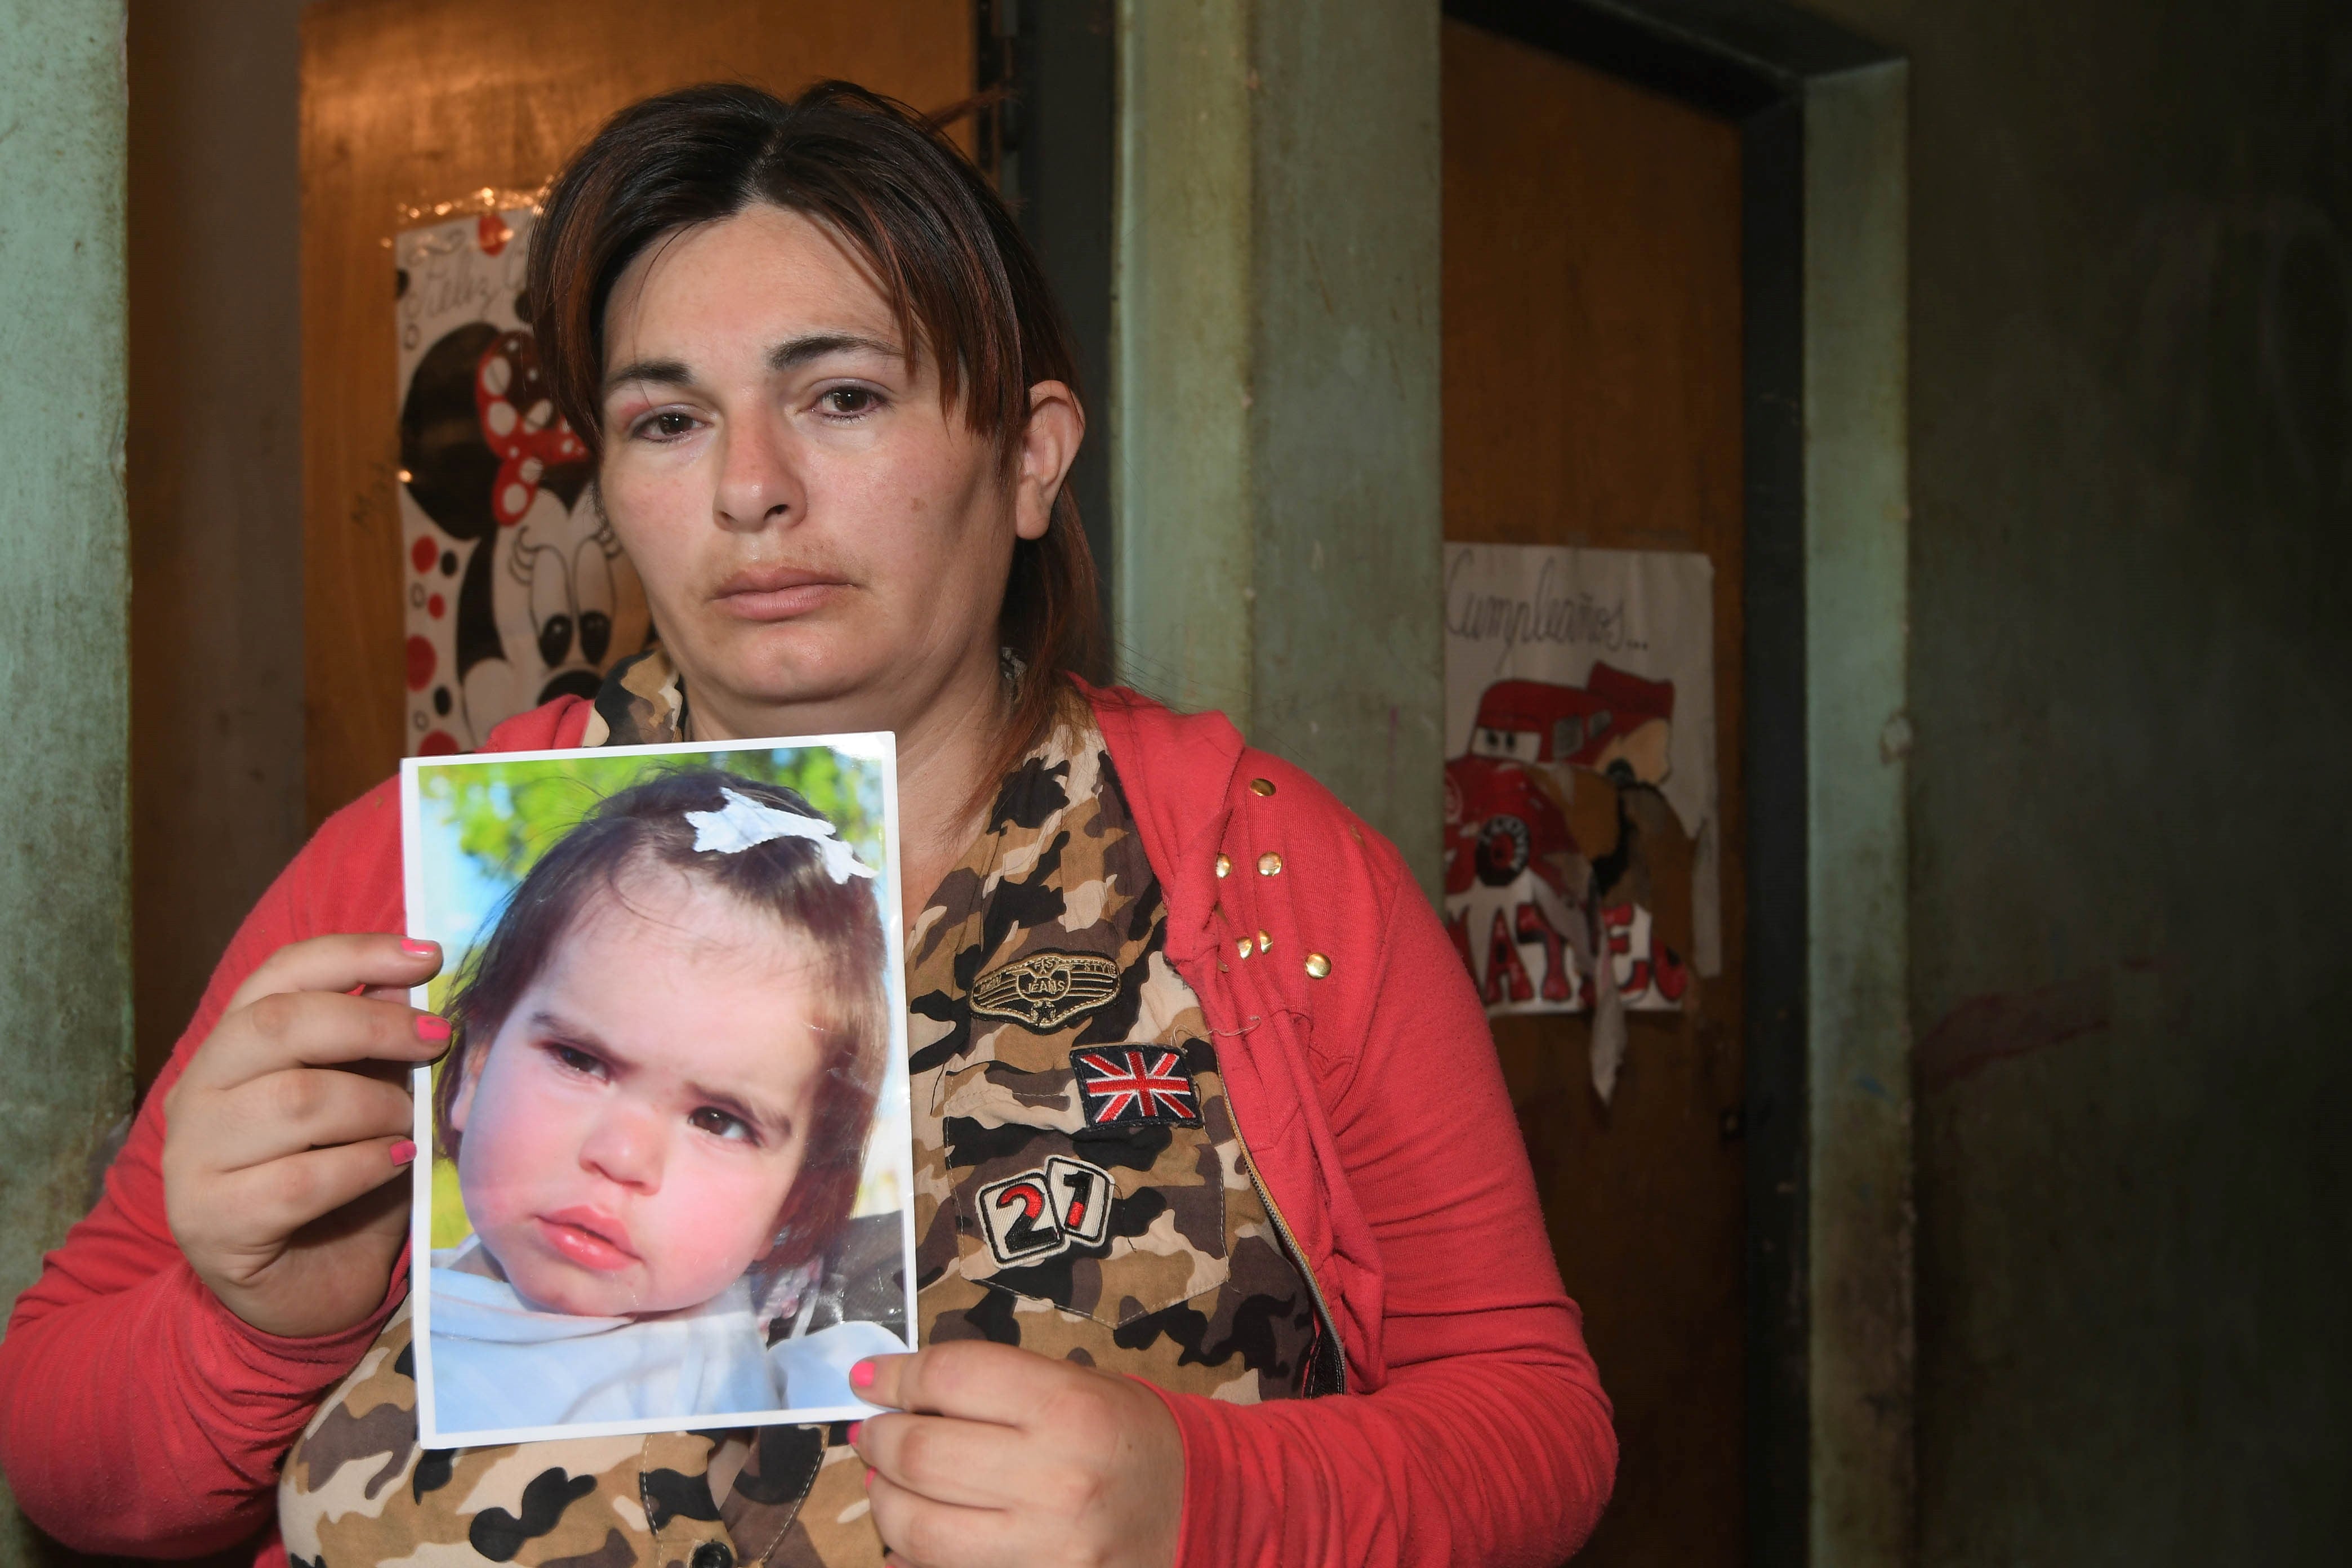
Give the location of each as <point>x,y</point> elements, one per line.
<point>1489,1441</point>
<point>138,1414</point>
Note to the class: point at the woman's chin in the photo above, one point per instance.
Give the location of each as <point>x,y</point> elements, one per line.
<point>778,674</point>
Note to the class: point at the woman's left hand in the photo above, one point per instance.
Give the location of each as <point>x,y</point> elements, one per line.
<point>1004,1456</point>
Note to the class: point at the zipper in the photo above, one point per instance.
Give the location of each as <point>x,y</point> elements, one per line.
<point>1326,1324</point>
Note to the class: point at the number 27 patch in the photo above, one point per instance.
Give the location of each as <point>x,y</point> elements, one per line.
<point>1042,1214</point>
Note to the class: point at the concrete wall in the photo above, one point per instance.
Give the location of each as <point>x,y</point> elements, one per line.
<point>2131,665</point>
<point>1275,361</point>
<point>215,485</point>
<point>65,928</point>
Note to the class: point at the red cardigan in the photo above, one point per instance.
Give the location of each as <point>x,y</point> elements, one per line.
<point>138,1414</point>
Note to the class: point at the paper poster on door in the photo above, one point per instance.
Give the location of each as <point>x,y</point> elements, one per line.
<point>1581,829</point>
<point>515,590</point>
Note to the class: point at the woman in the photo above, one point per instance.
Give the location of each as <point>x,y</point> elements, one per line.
<point>831,404</point>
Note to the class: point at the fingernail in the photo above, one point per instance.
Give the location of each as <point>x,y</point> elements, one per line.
<point>430,1027</point>
<point>862,1375</point>
<point>870,1477</point>
<point>415,949</point>
<point>404,1152</point>
<point>855,1427</point>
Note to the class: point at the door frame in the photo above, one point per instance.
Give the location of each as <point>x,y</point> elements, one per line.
<point>1823,122</point>
<point>1047,79</point>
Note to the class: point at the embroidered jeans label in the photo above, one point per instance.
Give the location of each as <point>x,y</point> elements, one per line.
<point>1046,990</point>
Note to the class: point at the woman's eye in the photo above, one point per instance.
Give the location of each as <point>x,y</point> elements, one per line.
<point>664,424</point>
<point>849,400</point>
<point>722,1124</point>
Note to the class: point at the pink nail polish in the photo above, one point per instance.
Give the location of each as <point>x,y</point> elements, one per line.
<point>862,1375</point>
<point>429,1027</point>
<point>870,1477</point>
<point>855,1428</point>
<point>415,949</point>
<point>403,1151</point>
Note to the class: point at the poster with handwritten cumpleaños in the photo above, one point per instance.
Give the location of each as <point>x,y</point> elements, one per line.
<point>1582,835</point>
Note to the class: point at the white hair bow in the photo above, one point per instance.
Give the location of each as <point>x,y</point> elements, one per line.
<point>743,822</point>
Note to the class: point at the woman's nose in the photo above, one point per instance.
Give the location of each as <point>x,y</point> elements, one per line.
<point>625,1145</point>
<point>758,482</point>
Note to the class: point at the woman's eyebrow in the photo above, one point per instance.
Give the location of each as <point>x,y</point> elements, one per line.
<point>667,372</point>
<point>794,353</point>
<point>789,355</point>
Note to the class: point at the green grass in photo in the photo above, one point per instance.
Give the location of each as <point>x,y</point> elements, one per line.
<point>450,1224</point>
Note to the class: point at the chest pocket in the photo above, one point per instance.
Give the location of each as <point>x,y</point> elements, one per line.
<point>1100,1179</point>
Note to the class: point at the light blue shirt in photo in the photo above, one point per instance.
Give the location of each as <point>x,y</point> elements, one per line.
<point>497,1364</point>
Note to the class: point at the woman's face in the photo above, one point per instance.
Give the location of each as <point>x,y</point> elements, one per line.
<point>814,529</point>
<point>631,1133</point>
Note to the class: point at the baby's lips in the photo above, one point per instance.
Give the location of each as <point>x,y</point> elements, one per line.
<point>589,1237</point>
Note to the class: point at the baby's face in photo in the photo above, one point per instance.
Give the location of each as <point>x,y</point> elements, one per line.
<point>629,1136</point>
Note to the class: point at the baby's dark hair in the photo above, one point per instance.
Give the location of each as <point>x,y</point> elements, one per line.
<point>644,827</point>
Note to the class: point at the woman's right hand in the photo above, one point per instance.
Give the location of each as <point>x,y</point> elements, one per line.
<point>283,1137</point>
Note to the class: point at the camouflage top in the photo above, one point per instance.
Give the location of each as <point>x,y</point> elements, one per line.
<point>1081,1190</point>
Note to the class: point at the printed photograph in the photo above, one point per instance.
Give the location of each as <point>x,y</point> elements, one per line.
<point>670,1173</point>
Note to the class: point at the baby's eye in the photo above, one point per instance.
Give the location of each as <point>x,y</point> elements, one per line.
<point>572,1058</point>
<point>722,1124</point>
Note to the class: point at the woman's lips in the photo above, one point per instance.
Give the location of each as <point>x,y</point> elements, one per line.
<point>775,593</point>
<point>590,1237</point>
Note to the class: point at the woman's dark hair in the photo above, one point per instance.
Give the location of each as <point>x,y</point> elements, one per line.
<point>643,828</point>
<point>962,282</point>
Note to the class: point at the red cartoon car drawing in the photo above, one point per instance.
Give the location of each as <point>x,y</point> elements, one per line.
<point>1501,814</point>
<point>1614,723</point>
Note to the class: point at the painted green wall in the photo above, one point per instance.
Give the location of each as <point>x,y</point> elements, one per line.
<point>1275,345</point>
<point>2131,673</point>
<point>65,1014</point>
<point>1859,1215</point>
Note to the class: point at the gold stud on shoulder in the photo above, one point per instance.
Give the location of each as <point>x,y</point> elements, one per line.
<point>1317,967</point>
<point>1242,948</point>
<point>1261,786</point>
<point>1269,864</point>
<point>1225,865</point>
<point>1263,941</point>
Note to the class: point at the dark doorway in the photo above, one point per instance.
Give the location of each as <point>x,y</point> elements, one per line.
<point>1625,233</point>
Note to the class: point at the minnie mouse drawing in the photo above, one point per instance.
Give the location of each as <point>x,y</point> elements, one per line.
<point>544,601</point>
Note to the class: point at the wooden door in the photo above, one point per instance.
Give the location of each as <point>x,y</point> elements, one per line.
<point>1592,397</point>
<point>408,103</point>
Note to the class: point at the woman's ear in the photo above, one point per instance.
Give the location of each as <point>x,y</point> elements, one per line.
<point>1049,445</point>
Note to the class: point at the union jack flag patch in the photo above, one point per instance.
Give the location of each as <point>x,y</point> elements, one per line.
<point>1135,1086</point>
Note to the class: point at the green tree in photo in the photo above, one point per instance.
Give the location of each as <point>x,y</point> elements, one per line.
<point>508,814</point>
